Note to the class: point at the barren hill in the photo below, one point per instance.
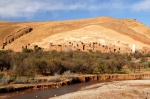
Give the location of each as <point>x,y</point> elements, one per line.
<point>106,30</point>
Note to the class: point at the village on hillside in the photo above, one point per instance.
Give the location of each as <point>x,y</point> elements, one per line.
<point>92,46</point>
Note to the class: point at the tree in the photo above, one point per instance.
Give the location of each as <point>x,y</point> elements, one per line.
<point>25,50</point>
<point>42,66</point>
<point>4,60</point>
<point>128,58</point>
<point>143,59</point>
<point>149,64</point>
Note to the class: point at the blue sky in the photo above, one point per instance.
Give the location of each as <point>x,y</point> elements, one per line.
<point>44,10</point>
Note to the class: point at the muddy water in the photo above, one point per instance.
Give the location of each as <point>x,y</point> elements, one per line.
<point>47,93</point>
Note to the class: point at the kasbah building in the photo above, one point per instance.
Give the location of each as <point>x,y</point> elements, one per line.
<point>92,46</point>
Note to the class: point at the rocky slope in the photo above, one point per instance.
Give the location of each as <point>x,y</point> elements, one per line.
<point>105,30</point>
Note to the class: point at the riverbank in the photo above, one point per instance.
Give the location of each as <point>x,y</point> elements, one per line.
<point>129,89</point>
<point>78,79</point>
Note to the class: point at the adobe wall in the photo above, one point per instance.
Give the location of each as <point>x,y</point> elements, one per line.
<point>86,47</point>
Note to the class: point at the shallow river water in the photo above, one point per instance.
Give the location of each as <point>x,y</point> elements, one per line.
<point>46,93</point>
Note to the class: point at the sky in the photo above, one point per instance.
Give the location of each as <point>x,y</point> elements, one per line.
<point>46,10</point>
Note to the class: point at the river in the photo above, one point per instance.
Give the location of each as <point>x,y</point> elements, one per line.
<point>46,93</point>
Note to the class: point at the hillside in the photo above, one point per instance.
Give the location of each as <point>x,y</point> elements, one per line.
<point>106,30</point>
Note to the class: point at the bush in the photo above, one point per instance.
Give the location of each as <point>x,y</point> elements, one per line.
<point>30,63</point>
<point>24,50</point>
<point>69,75</point>
<point>42,66</point>
<point>149,64</point>
<point>128,58</point>
<point>148,54</point>
<point>55,78</point>
<point>56,66</point>
<point>1,75</point>
<point>143,59</point>
<point>21,80</point>
<point>4,60</point>
<point>138,55</point>
<point>5,80</point>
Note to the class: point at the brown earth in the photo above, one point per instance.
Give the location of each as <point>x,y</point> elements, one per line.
<point>129,89</point>
<point>105,29</point>
<point>78,79</point>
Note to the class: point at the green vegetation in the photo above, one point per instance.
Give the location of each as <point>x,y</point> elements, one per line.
<point>27,64</point>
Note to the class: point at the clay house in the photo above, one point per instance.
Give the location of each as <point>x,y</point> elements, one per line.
<point>93,46</point>
<point>57,47</point>
<point>27,46</point>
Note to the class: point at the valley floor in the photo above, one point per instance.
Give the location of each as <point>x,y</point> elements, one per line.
<point>129,89</point>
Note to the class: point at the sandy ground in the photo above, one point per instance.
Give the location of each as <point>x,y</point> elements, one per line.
<point>130,89</point>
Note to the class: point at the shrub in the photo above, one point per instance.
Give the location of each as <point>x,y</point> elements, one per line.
<point>25,68</point>
<point>56,66</point>
<point>30,63</point>
<point>42,66</point>
<point>149,64</point>
<point>138,55</point>
<point>69,75</point>
<point>128,58</point>
<point>55,78</point>
<point>1,75</point>
<point>4,60</point>
<point>143,59</point>
<point>5,80</point>
<point>148,54</point>
<point>21,80</point>
<point>24,50</point>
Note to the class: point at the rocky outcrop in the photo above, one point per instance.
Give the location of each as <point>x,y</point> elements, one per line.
<point>79,79</point>
<point>10,38</point>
